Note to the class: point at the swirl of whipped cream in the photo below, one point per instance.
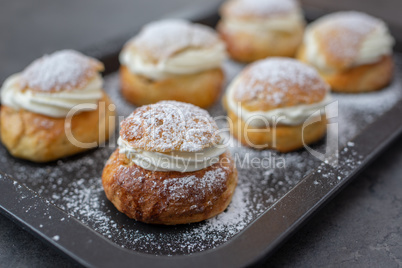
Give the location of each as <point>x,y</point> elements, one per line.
<point>189,61</point>
<point>287,22</point>
<point>292,116</point>
<point>53,104</point>
<point>174,161</point>
<point>376,44</point>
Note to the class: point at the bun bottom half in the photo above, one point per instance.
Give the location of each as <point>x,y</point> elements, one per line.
<point>41,138</point>
<point>247,47</point>
<point>201,89</point>
<point>281,138</point>
<point>364,78</point>
<point>169,198</point>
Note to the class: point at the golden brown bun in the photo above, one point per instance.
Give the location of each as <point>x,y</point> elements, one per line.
<point>40,138</point>
<point>246,47</point>
<point>201,89</point>
<point>282,138</point>
<point>169,197</point>
<point>364,78</point>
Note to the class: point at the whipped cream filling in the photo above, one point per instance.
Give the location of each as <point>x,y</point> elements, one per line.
<point>189,61</point>
<point>281,23</point>
<point>53,104</point>
<point>377,44</point>
<point>174,161</point>
<point>292,116</point>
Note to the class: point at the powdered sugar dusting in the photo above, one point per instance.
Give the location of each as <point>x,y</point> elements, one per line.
<point>279,81</point>
<point>62,70</point>
<point>170,126</point>
<point>74,184</point>
<point>260,7</point>
<point>166,37</point>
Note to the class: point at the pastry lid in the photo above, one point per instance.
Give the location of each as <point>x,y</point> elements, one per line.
<point>63,70</point>
<point>340,35</point>
<point>170,126</point>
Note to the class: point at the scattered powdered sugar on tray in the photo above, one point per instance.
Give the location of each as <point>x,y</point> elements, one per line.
<point>74,184</point>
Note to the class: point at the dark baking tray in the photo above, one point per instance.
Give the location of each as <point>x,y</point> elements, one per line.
<point>63,204</point>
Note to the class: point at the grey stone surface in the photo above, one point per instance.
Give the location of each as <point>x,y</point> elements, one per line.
<point>18,248</point>
<point>359,228</point>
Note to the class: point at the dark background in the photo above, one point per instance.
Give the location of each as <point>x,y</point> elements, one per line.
<point>361,227</point>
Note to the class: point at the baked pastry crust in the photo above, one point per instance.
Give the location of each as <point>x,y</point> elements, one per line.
<point>247,47</point>
<point>169,197</point>
<point>201,89</point>
<point>282,138</point>
<point>41,138</point>
<point>363,78</point>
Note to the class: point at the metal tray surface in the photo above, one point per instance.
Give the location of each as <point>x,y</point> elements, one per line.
<point>63,202</point>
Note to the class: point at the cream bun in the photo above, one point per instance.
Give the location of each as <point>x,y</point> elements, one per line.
<point>271,101</point>
<point>173,60</point>
<point>256,29</point>
<point>170,167</point>
<point>351,50</point>
<point>56,107</point>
